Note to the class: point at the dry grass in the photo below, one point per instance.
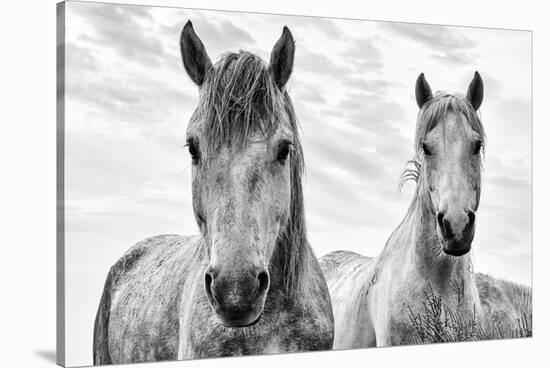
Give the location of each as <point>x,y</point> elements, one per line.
<point>440,323</point>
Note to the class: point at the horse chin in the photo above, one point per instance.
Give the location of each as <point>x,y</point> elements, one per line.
<point>456,248</point>
<point>239,321</point>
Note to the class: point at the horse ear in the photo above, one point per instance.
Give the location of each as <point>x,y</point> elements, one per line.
<point>193,53</point>
<point>422,91</point>
<point>475,91</point>
<point>282,58</point>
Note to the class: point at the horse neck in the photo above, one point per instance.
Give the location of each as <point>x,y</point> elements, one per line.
<point>423,251</point>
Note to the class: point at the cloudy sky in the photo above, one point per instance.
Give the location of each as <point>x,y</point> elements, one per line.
<point>128,102</point>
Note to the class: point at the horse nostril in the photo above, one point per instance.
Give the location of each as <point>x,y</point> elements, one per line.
<point>444,226</point>
<point>471,221</point>
<point>208,284</point>
<point>471,217</point>
<point>447,229</point>
<point>208,279</point>
<point>440,220</point>
<point>263,279</point>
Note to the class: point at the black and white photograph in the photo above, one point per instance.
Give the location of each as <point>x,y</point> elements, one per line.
<point>237,183</point>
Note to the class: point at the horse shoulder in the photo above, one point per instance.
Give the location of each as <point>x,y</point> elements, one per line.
<point>101,354</point>
<point>136,285</point>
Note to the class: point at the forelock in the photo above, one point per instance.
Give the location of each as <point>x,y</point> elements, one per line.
<point>437,109</point>
<point>239,98</point>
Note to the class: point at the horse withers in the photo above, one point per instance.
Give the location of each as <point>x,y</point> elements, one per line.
<point>249,283</point>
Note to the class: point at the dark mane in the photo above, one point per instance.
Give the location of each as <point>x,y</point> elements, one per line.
<point>239,98</point>
<point>291,253</point>
<point>432,112</point>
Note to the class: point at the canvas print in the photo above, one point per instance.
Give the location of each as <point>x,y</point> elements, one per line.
<point>234,183</point>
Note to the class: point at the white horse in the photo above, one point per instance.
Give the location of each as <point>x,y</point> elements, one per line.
<point>249,283</point>
<point>374,298</point>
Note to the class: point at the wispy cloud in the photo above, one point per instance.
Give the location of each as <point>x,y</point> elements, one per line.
<point>222,34</point>
<point>314,62</point>
<point>364,55</point>
<point>447,44</point>
<point>119,28</point>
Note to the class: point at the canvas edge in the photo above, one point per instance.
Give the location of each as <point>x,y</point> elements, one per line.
<point>60,184</point>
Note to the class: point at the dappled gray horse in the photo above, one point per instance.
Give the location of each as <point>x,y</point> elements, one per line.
<point>429,250</point>
<point>249,283</point>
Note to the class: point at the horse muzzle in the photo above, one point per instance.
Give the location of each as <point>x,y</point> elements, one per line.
<point>237,298</point>
<point>456,231</point>
<point>456,249</point>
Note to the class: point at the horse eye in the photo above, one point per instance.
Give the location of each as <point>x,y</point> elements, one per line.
<point>477,147</point>
<point>283,152</point>
<point>426,149</point>
<point>193,151</point>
